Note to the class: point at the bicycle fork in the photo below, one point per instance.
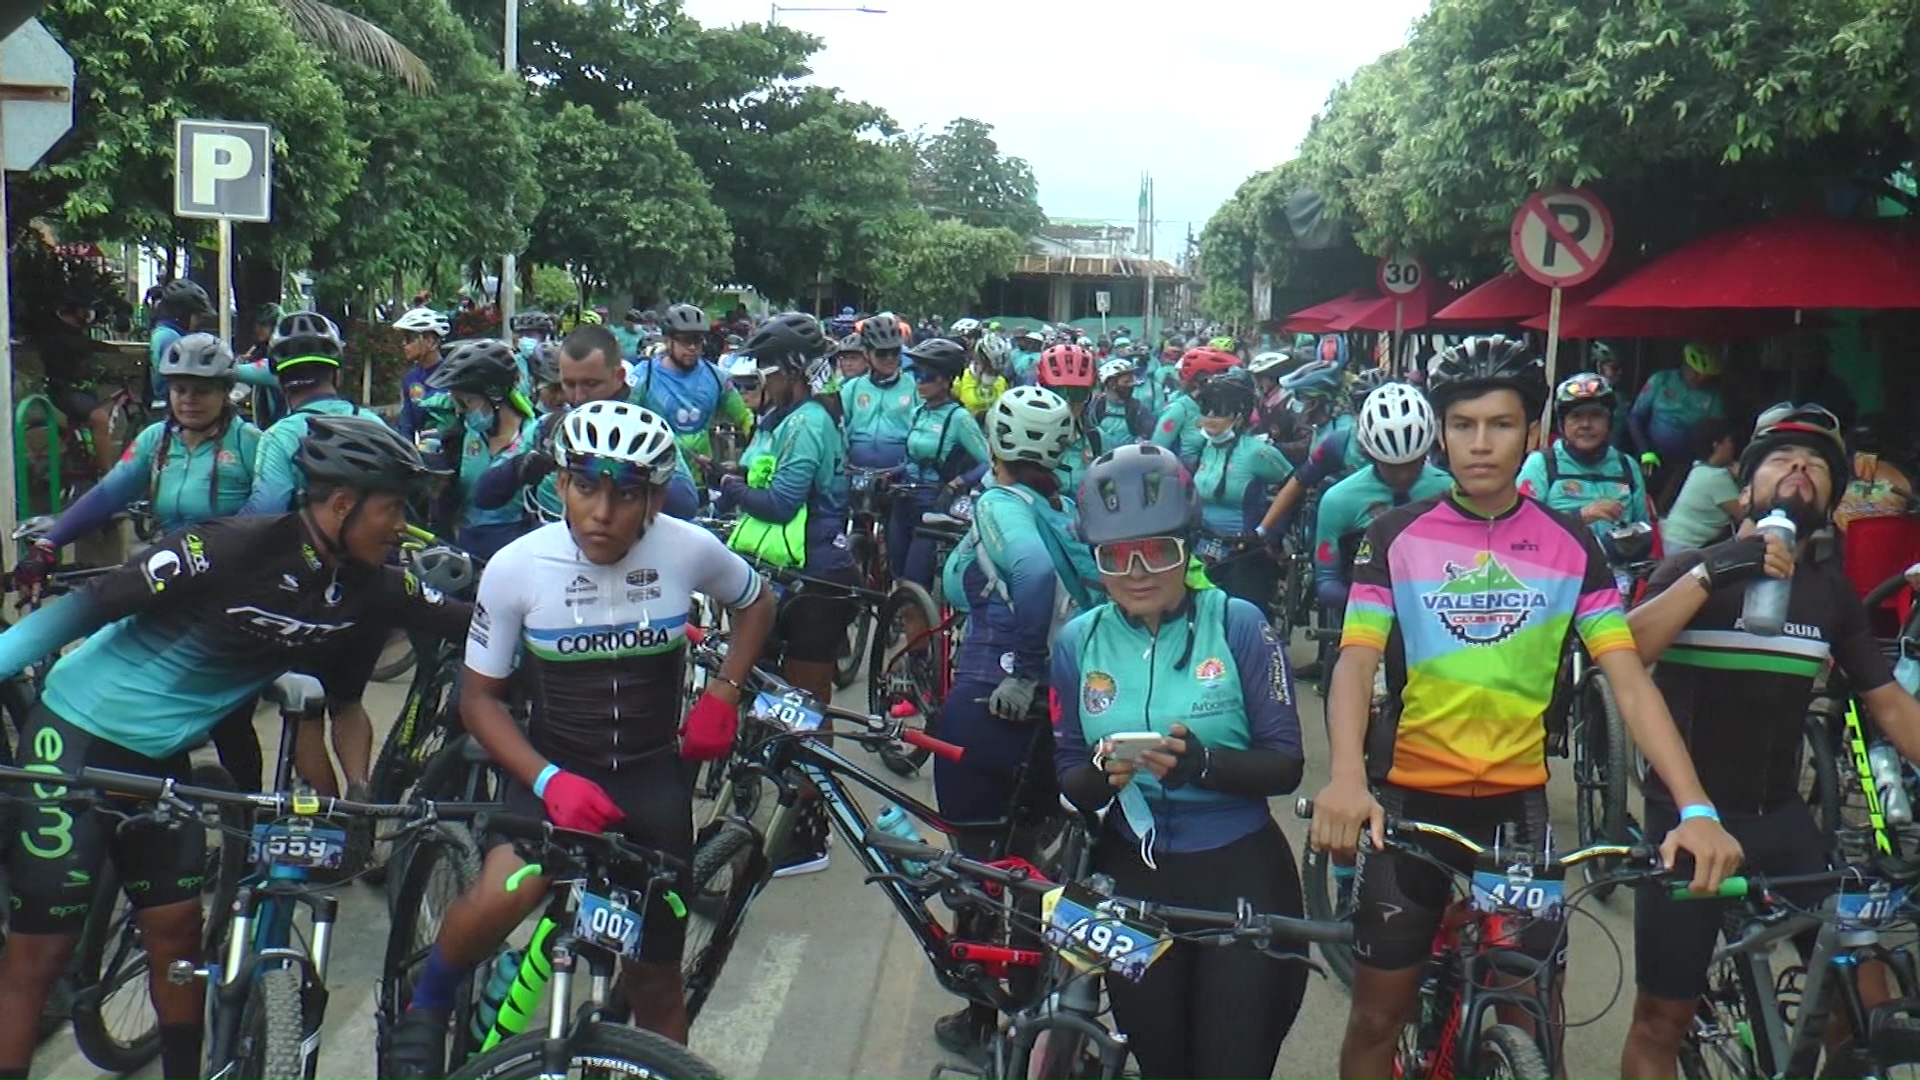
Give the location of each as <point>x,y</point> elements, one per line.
<point>231,980</point>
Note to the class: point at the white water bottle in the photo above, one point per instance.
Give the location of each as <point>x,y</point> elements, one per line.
<point>1890,783</point>
<point>1764,611</point>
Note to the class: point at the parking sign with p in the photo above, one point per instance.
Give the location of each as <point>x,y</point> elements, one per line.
<point>223,170</point>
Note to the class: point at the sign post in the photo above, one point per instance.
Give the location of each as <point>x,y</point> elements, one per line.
<point>1560,238</point>
<point>36,109</point>
<point>223,171</point>
<point>1102,301</point>
<point>1399,276</point>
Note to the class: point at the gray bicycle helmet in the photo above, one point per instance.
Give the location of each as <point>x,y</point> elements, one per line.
<point>940,356</point>
<point>480,366</point>
<point>544,365</point>
<point>202,356</point>
<point>182,298</point>
<point>684,319</point>
<point>304,337</point>
<point>532,322</point>
<point>445,568</point>
<point>360,454</point>
<point>1136,491</point>
<point>1366,381</point>
<point>881,333</point>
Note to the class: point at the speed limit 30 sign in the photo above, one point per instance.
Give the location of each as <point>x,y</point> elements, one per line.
<point>1562,237</point>
<point>1401,275</point>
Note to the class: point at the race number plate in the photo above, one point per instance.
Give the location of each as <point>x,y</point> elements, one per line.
<point>793,711</point>
<point>862,481</point>
<point>1210,549</point>
<point>1093,940</point>
<point>1502,894</point>
<point>297,845</point>
<point>1871,908</point>
<point>608,922</point>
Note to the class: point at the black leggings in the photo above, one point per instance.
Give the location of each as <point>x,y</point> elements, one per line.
<point>1206,1011</point>
<point>239,748</point>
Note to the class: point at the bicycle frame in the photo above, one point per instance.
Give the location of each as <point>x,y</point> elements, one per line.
<point>1466,960</point>
<point>1884,841</point>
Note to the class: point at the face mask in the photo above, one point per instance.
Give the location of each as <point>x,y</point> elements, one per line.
<point>480,421</point>
<point>1220,438</point>
<point>527,344</point>
<point>1907,673</point>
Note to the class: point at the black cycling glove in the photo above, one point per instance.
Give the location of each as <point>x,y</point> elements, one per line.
<point>1188,766</point>
<point>1733,561</point>
<point>536,466</point>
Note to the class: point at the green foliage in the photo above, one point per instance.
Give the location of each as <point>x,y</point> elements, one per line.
<point>961,173</point>
<point>43,278</point>
<point>930,265</point>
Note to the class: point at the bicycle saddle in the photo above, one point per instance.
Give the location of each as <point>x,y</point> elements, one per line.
<point>295,693</point>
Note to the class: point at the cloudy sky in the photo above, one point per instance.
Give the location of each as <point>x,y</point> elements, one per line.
<point>1202,93</point>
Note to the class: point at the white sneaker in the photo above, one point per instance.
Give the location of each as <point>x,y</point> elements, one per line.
<point>801,863</point>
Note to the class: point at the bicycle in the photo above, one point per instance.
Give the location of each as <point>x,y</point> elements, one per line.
<point>1478,964</point>
<point>587,918</point>
<point>911,668</point>
<point>867,541</point>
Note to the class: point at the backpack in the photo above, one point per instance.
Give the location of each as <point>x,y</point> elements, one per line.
<point>1070,596</point>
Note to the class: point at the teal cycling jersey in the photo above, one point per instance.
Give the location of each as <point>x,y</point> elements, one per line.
<point>1021,367</point>
<point>629,341</point>
<point>1351,505</point>
<point>688,400</point>
<point>943,441</point>
<point>1178,428</point>
<point>1235,481</point>
<point>1156,385</point>
<point>810,472</point>
<point>1087,446</point>
<point>1119,422</point>
<point>476,456</point>
<point>1336,453</point>
<point>1010,581</point>
<point>183,484</point>
<point>276,480</point>
<point>1567,484</point>
<point>877,417</point>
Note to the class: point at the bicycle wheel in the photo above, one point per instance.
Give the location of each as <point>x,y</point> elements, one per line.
<point>444,864</point>
<point>396,659</point>
<point>271,1023</point>
<point>905,667</point>
<point>1600,776</point>
<point>1820,775</point>
<point>860,631</point>
<point>113,1020</point>
<point>1328,897</point>
<point>722,881</point>
<point>1504,1052</point>
<point>597,1049</point>
<point>1718,1045</point>
<point>226,860</point>
<point>423,729</point>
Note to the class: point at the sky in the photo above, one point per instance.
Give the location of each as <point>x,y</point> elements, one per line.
<point>1201,93</point>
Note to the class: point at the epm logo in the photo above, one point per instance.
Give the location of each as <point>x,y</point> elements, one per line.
<point>1484,605</point>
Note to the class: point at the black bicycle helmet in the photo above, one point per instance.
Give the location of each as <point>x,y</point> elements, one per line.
<point>181,298</point>
<point>360,454</point>
<point>1366,381</point>
<point>268,315</point>
<point>881,333</point>
<point>481,366</point>
<point>684,319</point>
<point>1230,393</point>
<point>1480,364</point>
<point>1136,491</point>
<point>532,322</point>
<point>305,337</point>
<point>636,315</point>
<point>544,364</point>
<point>792,340</point>
<point>1810,426</point>
<point>940,356</point>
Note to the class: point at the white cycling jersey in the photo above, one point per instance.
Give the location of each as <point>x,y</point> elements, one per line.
<point>602,643</point>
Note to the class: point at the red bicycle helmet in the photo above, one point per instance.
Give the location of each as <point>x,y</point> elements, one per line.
<point>1205,362</point>
<point>1066,366</point>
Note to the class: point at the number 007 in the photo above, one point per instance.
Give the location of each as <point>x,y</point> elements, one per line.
<point>611,924</point>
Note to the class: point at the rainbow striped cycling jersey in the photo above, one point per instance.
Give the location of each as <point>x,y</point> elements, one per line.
<point>1472,614</point>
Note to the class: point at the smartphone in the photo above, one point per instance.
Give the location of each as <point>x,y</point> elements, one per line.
<point>1129,745</point>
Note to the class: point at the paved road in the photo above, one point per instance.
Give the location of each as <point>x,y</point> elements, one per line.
<point>826,982</point>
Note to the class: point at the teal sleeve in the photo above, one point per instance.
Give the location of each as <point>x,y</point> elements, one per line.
<point>1334,520</point>
<point>275,479</point>
<point>1270,465</point>
<point>1532,480</point>
<point>1010,533</point>
<point>1166,430</point>
<point>257,373</point>
<point>971,438</point>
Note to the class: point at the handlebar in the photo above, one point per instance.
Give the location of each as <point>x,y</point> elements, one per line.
<point>1742,886</point>
<point>592,851</point>
<point>1504,858</point>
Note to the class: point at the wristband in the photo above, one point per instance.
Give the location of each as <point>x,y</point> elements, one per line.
<point>1699,810</point>
<point>552,770</point>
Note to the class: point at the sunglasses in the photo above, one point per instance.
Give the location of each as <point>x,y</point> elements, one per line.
<point>921,375</point>
<point>747,384</point>
<point>687,339</point>
<point>1155,554</point>
<point>590,469</point>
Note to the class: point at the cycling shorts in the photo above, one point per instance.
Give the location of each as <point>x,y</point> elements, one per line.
<point>658,802</point>
<point>1673,940</point>
<point>60,848</point>
<point>75,402</point>
<point>1399,898</point>
<point>812,620</point>
<point>346,667</point>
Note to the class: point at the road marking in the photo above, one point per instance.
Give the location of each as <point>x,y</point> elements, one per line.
<point>896,1020</point>
<point>736,1038</point>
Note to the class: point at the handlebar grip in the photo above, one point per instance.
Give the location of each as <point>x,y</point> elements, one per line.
<point>932,745</point>
<point>512,826</point>
<point>899,846</point>
<point>696,634</point>
<point>121,783</point>
<point>1303,808</point>
<point>1733,888</point>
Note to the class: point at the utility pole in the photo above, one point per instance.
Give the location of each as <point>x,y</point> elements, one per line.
<point>509,263</point>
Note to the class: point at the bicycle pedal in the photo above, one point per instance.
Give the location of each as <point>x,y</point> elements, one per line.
<point>182,972</point>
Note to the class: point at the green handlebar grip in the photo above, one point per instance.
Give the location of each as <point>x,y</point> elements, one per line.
<point>514,879</point>
<point>678,905</point>
<point>1732,888</point>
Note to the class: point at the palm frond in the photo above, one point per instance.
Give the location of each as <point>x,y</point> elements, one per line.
<point>351,37</point>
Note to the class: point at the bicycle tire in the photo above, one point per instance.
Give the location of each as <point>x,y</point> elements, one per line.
<point>606,1045</point>
<point>714,909</point>
<point>1318,882</point>
<point>1823,796</point>
<point>100,975</point>
<point>1060,1053</point>
<point>445,849</point>
<point>919,666</point>
<point>846,669</point>
<point>1507,1053</point>
<point>405,756</point>
<point>1600,770</point>
<point>1712,1048</point>
<point>273,1022</point>
<point>401,663</point>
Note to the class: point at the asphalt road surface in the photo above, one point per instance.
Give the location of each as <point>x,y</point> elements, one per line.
<point>826,982</point>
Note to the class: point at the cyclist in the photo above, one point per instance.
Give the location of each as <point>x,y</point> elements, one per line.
<point>1266,369</point>
<point>1156,377</point>
<point>1115,412</point>
<point>1026,356</point>
<point>1178,425</point>
<point>600,751</point>
<point>1709,498</point>
<point>1234,475</point>
<point>849,362</point>
<point>943,445</point>
<point>631,333</point>
<point>66,358</point>
<point>1582,474</point>
<point>1314,391</point>
<point>1067,370</point>
<point>421,332</point>
<point>490,423</point>
<point>687,391</point>
<point>1665,419</point>
<point>1470,597</point>
<point>181,305</point>
<point>983,382</point>
<point>1608,365</point>
<point>1741,699</point>
<point>877,407</point>
<point>175,639</point>
<point>530,328</point>
<point>1191,826</point>
<point>543,369</point>
<point>1395,429</point>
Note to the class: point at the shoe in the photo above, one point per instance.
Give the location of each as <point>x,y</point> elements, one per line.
<point>963,1034</point>
<point>418,1049</point>
<point>801,863</point>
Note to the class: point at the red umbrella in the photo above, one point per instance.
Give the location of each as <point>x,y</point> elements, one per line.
<point>1315,319</point>
<point>1798,262</point>
<point>1508,298</point>
<point>1582,321</point>
<point>1377,314</point>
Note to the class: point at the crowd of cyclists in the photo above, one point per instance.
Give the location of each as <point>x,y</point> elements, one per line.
<point>1125,494</point>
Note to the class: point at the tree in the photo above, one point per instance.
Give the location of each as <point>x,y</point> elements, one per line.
<point>940,265</point>
<point>356,40</point>
<point>961,173</point>
<point>624,204</point>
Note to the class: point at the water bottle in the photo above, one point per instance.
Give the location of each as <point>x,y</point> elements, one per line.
<point>506,967</point>
<point>1889,781</point>
<point>1765,610</point>
<point>895,820</point>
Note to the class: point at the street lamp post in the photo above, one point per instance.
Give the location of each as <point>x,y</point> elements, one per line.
<point>773,14</point>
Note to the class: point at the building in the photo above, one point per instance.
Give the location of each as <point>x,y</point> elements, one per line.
<point>1070,263</point>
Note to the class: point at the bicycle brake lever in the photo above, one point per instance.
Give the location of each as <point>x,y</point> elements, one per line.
<point>1297,958</point>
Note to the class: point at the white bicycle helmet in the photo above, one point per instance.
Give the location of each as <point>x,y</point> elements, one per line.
<point>1118,366</point>
<point>621,431</point>
<point>995,350</point>
<point>964,326</point>
<point>422,320</point>
<point>1267,362</point>
<point>1395,425</point>
<point>1030,423</point>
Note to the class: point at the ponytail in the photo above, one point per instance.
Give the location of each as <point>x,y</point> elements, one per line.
<point>1038,477</point>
